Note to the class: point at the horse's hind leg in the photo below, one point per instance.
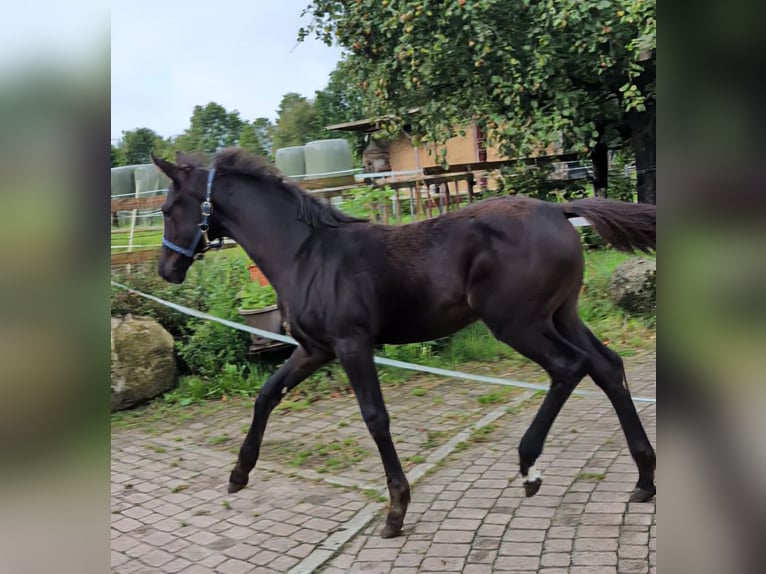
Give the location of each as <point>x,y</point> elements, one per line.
<point>298,367</point>
<point>539,340</point>
<point>357,361</point>
<point>608,372</point>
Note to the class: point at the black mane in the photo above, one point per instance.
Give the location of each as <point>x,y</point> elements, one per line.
<point>310,209</point>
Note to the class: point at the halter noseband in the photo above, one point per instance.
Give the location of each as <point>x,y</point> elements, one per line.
<point>207,209</point>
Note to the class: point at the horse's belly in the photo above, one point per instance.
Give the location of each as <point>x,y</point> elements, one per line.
<point>414,327</point>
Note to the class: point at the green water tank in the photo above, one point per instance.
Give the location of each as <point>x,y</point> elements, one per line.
<point>123,181</point>
<point>150,179</point>
<point>328,156</point>
<point>290,161</point>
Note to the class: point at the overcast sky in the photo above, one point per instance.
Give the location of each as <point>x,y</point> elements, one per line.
<point>170,55</point>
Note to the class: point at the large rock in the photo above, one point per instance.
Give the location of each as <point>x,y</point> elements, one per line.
<point>143,363</point>
<point>633,285</point>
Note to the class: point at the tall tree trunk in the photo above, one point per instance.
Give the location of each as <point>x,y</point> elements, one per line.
<point>599,157</point>
<point>645,148</point>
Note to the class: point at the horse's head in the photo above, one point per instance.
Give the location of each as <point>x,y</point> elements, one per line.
<point>184,226</point>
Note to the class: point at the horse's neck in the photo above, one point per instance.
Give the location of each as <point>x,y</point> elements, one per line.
<point>264,223</point>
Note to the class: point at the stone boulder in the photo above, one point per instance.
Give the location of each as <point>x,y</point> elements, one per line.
<point>143,363</point>
<point>633,285</point>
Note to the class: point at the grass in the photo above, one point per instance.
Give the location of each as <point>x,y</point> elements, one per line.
<point>591,476</point>
<point>626,334</point>
<point>141,238</point>
<point>433,439</point>
<point>374,495</point>
<point>482,434</point>
<point>218,439</point>
<point>330,457</point>
<point>495,397</point>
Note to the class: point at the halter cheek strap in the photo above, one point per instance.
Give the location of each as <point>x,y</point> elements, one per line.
<point>207,209</point>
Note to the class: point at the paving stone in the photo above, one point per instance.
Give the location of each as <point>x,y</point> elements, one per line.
<point>469,515</point>
<point>521,548</point>
<point>555,559</point>
<point>513,563</point>
<point>448,550</point>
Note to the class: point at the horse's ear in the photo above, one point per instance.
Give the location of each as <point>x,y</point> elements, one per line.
<point>166,167</point>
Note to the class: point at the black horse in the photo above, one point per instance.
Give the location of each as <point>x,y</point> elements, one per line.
<point>346,285</point>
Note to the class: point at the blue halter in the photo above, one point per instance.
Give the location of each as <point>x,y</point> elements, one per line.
<point>207,209</point>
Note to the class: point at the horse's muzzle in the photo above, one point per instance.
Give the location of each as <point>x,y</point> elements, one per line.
<point>173,268</point>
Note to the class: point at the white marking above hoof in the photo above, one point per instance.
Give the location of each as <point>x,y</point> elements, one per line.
<point>533,475</point>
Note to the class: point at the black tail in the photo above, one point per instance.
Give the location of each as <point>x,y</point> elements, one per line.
<point>626,226</point>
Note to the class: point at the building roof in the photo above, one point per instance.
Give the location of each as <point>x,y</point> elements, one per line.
<point>368,125</point>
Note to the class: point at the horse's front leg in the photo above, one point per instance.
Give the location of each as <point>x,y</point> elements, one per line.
<point>357,361</point>
<point>298,367</point>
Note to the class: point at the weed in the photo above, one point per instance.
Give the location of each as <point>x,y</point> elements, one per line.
<point>433,439</point>
<point>300,458</point>
<point>481,434</point>
<point>591,476</point>
<point>218,439</point>
<point>490,398</point>
<point>294,405</point>
<point>418,392</point>
<point>374,495</point>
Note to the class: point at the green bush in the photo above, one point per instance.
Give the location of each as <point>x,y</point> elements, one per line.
<point>211,286</point>
<point>211,345</point>
<point>535,181</point>
<point>256,296</point>
<point>233,380</point>
<point>365,201</point>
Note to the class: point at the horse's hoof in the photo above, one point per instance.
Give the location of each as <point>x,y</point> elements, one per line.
<point>235,487</point>
<point>390,531</point>
<point>531,488</point>
<point>642,495</point>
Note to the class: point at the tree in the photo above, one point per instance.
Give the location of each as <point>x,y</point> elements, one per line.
<point>118,157</point>
<point>256,136</point>
<point>212,128</point>
<point>296,121</point>
<point>137,146</point>
<point>577,73</point>
<point>339,102</point>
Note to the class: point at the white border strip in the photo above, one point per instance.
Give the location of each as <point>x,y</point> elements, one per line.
<point>379,360</point>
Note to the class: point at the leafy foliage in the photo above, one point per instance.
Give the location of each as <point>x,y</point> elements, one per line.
<point>295,121</point>
<point>212,128</point>
<point>531,73</point>
<point>136,147</point>
<point>364,201</point>
<point>256,296</point>
<point>118,157</point>
<point>211,286</point>
<point>256,136</point>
